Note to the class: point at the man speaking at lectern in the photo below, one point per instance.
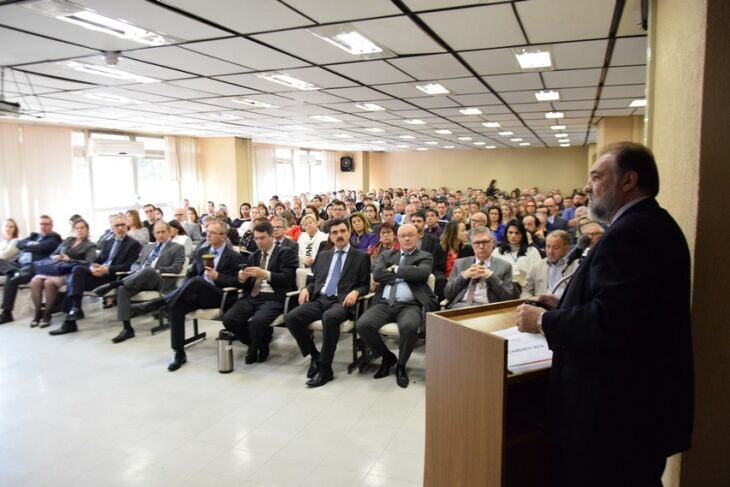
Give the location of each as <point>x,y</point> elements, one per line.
<point>620,397</point>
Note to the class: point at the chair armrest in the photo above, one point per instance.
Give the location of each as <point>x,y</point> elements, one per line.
<point>122,273</point>
<point>293,293</point>
<point>226,292</point>
<point>169,274</point>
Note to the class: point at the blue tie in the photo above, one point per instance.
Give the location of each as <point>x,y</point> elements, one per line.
<point>335,278</point>
<point>153,255</point>
<point>394,286</point>
<point>113,253</point>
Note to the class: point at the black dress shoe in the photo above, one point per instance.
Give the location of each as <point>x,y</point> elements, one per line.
<point>364,363</point>
<point>263,352</point>
<point>21,277</point>
<point>401,376</point>
<point>105,288</point>
<point>323,376</point>
<point>388,362</point>
<point>75,314</point>
<point>313,366</point>
<point>125,334</point>
<point>66,327</point>
<point>251,357</point>
<point>145,308</point>
<point>177,361</point>
<point>6,317</point>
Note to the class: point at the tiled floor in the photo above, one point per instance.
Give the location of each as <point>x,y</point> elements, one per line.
<point>78,410</point>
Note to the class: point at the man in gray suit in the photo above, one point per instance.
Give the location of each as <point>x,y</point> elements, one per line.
<point>403,296</point>
<point>479,279</point>
<point>162,257</point>
<point>545,277</point>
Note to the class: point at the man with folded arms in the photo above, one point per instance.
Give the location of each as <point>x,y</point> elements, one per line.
<point>162,257</point>
<point>546,274</point>
<point>341,275</point>
<point>271,274</point>
<point>403,297</point>
<point>202,289</point>
<point>115,255</point>
<point>479,279</point>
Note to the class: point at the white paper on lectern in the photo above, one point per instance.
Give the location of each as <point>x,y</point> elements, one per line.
<point>525,351</point>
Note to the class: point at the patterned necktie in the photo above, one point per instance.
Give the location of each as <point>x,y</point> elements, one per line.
<point>153,255</point>
<point>394,286</point>
<point>335,278</point>
<point>278,243</point>
<point>113,253</point>
<point>257,285</point>
<point>472,288</point>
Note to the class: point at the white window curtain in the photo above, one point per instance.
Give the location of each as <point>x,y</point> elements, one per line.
<point>264,169</point>
<point>181,154</point>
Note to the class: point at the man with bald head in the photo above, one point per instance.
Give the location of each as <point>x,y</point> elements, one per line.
<point>403,296</point>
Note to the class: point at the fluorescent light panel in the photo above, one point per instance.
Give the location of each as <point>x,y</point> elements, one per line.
<point>415,121</point>
<point>471,111</point>
<point>524,144</point>
<point>407,137</point>
<point>533,59</point>
<point>554,115</point>
<point>112,98</point>
<point>253,103</point>
<point>431,142</point>
<point>558,127</point>
<point>325,118</point>
<point>433,89</point>
<point>506,133</point>
<point>492,125</point>
<point>516,139</point>
<point>290,81</point>
<point>464,138</point>
<point>107,71</point>
<point>637,104</point>
<point>371,107</point>
<point>479,143</point>
<point>442,131</point>
<point>350,41</point>
<point>375,130</point>
<point>448,147</point>
<point>560,136</point>
<point>551,95</point>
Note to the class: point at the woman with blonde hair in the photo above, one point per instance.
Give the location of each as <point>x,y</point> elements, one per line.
<point>309,240</point>
<point>8,249</point>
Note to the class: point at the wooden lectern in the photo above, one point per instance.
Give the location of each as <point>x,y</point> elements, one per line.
<point>484,425</point>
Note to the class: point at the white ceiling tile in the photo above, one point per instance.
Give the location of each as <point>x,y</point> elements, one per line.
<point>629,50</point>
<point>477,28</point>
<point>572,78</point>
<point>565,20</point>
<point>254,82</point>
<point>392,104</point>
<point>574,105</point>
<point>213,86</point>
<point>344,10</point>
<point>315,97</point>
<point>27,48</point>
<point>244,16</point>
<point>166,89</point>
<point>359,93</point>
<point>514,82</point>
<point>626,75</point>
<point>492,61</point>
<point>399,34</point>
<point>615,112</point>
<point>307,46</point>
<point>320,77</point>
<point>186,60</point>
<point>631,19</point>
<point>430,102</point>
<point>519,96</point>
<point>401,90</point>
<point>371,72</point>
<point>577,55</point>
<point>615,103</point>
<point>431,67</point>
<point>627,91</point>
<point>192,106</point>
<point>531,107</point>
<point>246,53</point>
<point>463,86</point>
<point>476,100</point>
<point>572,94</point>
<point>418,5</point>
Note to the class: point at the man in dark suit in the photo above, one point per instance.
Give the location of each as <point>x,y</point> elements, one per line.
<point>426,241</point>
<point>403,297</point>
<point>203,288</point>
<point>554,220</point>
<point>161,257</point>
<point>279,228</point>
<point>341,275</point>
<point>621,385</point>
<point>270,275</point>
<point>115,255</point>
<point>37,246</point>
<point>479,279</point>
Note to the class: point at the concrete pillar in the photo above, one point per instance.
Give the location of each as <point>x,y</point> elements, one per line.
<point>226,170</point>
<point>620,129</point>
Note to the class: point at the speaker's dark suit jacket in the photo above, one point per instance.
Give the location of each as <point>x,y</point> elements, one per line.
<point>415,271</point>
<point>622,374</point>
<point>282,265</point>
<point>355,274</point>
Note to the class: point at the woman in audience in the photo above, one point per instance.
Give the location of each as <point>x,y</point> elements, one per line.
<point>362,236</point>
<point>506,215</point>
<point>494,223</point>
<point>264,211</point>
<point>8,249</point>
<point>309,240</point>
<point>292,229</point>
<point>388,241</point>
<point>371,212</point>
<point>135,229</point>
<point>179,236</point>
<point>516,251</point>
<point>297,212</point>
<point>50,273</point>
<point>237,222</point>
<point>457,214</point>
<point>454,245</point>
<point>254,213</point>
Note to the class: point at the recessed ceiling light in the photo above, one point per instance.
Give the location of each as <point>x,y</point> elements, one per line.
<point>378,142</point>
<point>299,127</point>
<point>414,121</point>
<point>551,95</point>
<point>431,142</point>
<point>565,145</point>
<point>88,19</point>
<point>470,111</point>
<point>223,116</point>
<point>325,118</point>
<point>448,147</point>
<point>554,115</point>
<point>516,139</point>
<point>343,136</point>
<point>533,59</point>
<point>112,98</point>
<point>253,103</point>
<point>345,37</point>
<point>433,89</point>
<point>421,148</point>
<point>491,125</point>
<point>375,130</point>
<point>524,144</point>
<point>506,133</point>
<point>290,81</point>
<point>491,147</point>
<point>464,138</point>
<point>402,146</point>
<point>479,143</point>
<point>443,131</point>
<point>637,104</point>
<point>558,127</point>
<point>408,137</point>
<point>560,136</point>
<point>108,71</point>
<point>371,107</point>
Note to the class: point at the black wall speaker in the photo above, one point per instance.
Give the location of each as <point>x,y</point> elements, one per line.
<point>346,164</point>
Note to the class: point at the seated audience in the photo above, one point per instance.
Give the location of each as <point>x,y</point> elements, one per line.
<point>432,223</point>
<point>265,282</point>
<point>494,223</point>
<point>454,244</point>
<point>425,241</point>
<point>279,225</point>
<point>203,288</point>
<point>135,229</point>
<point>341,275</point>
<point>554,220</point>
<point>362,236</point>
<point>192,226</point>
<point>309,241</point>
<point>165,256</point>
<point>480,279</point>
<point>545,276</point>
<point>232,236</point>
<point>402,297</point>
<point>8,247</point>
<point>244,215</point>
<point>371,213</point>
<point>388,241</point>
<point>192,230</point>
<point>516,251</point>
<point>178,235</point>
<point>293,230</point>
<point>594,230</point>
<point>151,212</point>
<point>535,234</point>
